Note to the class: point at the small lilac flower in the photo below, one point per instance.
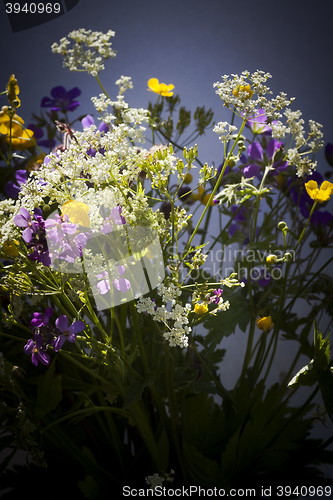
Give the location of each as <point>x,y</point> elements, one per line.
<point>111,217</point>
<point>39,134</point>
<point>23,219</point>
<point>217,296</point>
<point>103,286</point>
<point>36,348</point>
<point>87,121</point>
<point>62,100</point>
<point>263,153</point>
<point>67,332</point>
<point>120,284</point>
<point>57,229</point>
<point>39,319</point>
<point>34,235</point>
<point>12,188</point>
<point>258,124</point>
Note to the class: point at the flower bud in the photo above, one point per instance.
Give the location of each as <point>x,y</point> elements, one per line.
<point>271,259</point>
<point>283,226</point>
<point>264,323</point>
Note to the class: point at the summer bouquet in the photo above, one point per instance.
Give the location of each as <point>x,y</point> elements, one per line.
<point>127,263</point>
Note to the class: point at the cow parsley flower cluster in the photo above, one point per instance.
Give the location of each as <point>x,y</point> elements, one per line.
<point>172,313</point>
<point>304,144</point>
<point>248,92</point>
<point>85,50</point>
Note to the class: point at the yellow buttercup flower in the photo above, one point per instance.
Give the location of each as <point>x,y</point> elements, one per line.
<point>160,88</point>
<point>11,126</point>
<point>265,323</point>
<point>77,212</point>
<point>13,91</point>
<point>319,194</point>
<point>245,89</point>
<point>10,248</point>
<point>200,308</point>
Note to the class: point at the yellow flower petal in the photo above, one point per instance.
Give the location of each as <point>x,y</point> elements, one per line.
<point>321,194</point>
<point>153,84</point>
<point>77,212</point>
<point>160,88</point>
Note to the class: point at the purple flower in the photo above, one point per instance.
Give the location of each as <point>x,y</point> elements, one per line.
<point>23,219</point>
<point>34,234</point>
<point>321,218</point>
<point>262,153</point>
<point>111,217</point>
<point>12,189</point>
<point>258,124</point>
<point>67,332</point>
<point>120,284</point>
<point>62,100</point>
<point>36,348</point>
<point>87,121</point>
<point>57,229</point>
<point>39,319</point>
<point>217,296</point>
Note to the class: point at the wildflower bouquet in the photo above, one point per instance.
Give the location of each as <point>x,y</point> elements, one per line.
<point>126,262</point>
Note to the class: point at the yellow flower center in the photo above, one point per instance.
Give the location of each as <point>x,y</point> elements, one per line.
<point>245,91</point>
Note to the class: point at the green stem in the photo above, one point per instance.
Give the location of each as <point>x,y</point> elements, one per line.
<point>217,184</point>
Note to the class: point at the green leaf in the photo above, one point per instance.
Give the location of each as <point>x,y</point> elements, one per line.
<point>321,350</point>
<point>49,392</point>
<point>307,375</point>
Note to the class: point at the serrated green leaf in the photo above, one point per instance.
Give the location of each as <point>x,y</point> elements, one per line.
<point>308,375</point>
<point>321,350</point>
